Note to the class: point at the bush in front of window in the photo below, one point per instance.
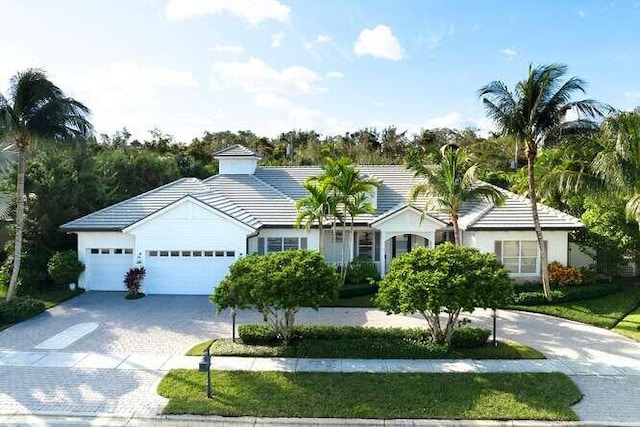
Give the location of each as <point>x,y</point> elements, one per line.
<point>362,273</point>
<point>561,275</point>
<point>277,285</point>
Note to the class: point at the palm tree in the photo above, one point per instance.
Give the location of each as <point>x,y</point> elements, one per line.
<point>450,182</point>
<point>618,164</point>
<point>350,191</point>
<point>316,207</point>
<point>35,110</point>
<point>536,111</point>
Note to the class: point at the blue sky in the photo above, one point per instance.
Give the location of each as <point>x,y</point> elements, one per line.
<point>269,66</point>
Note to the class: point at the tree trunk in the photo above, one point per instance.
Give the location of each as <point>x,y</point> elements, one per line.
<point>17,253</point>
<point>531,156</point>
<point>343,265</point>
<point>320,237</point>
<point>456,229</point>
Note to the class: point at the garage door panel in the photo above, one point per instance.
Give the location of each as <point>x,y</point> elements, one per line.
<point>180,272</point>
<point>107,267</point>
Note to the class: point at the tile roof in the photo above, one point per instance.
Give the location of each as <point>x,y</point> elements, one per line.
<point>236,150</point>
<point>267,199</point>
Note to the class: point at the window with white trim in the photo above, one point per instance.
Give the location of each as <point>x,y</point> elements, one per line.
<point>279,244</point>
<point>365,244</point>
<point>520,257</point>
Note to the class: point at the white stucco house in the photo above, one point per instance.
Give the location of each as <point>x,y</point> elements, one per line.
<point>187,233</point>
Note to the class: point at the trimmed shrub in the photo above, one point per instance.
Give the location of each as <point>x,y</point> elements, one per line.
<point>65,267</point>
<point>561,275</point>
<point>20,308</point>
<point>567,294</point>
<point>133,282</point>
<point>257,334</point>
<point>361,273</point>
<point>356,291</point>
<point>468,337</point>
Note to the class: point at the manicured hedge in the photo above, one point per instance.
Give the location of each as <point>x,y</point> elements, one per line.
<point>465,337</point>
<point>20,308</point>
<point>356,291</point>
<point>566,294</point>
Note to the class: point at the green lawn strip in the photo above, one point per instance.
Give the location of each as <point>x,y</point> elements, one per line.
<point>365,348</point>
<point>630,325</point>
<point>604,312</point>
<point>534,396</point>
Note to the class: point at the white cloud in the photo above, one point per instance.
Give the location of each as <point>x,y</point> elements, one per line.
<point>228,48</point>
<point>632,95</point>
<point>322,38</point>
<point>378,104</point>
<point>251,11</point>
<point>255,76</point>
<point>334,75</point>
<point>509,53</point>
<point>379,42</point>
<point>276,39</point>
<point>271,101</point>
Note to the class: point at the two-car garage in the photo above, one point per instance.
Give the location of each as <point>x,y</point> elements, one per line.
<point>187,272</point>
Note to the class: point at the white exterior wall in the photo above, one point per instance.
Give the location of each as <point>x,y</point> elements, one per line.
<point>579,258</point>
<point>237,165</point>
<point>107,239</point>
<point>557,242</point>
<point>311,235</point>
<point>190,227</point>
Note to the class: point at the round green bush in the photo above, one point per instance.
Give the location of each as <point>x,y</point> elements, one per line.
<point>64,267</point>
<point>468,337</point>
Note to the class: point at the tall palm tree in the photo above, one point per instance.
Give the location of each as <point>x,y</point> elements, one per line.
<point>449,181</point>
<point>36,109</point>
<point>618,164</point>
<point>316,207</point>
<point>535,111</point>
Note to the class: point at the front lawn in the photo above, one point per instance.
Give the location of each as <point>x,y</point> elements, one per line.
<point>366,348</point>
<point>539,396</point>
<point>630,325</point>
<point>604,312</point>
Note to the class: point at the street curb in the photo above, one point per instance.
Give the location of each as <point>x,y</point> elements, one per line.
<point>49,418</point>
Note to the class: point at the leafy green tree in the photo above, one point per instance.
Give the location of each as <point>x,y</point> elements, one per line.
<point>535,111</point>
<point>610,233</point>
<point>65,267</point>
<point>446,280</point>
<point>132,171</point>
<point>277,285</point>
<point>449,181</point>
<point>36,109</point>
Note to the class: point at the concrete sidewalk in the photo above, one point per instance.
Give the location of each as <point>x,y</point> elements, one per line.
<point>159,362</point>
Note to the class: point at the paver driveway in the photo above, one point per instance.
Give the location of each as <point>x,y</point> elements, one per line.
<point>606,364</point>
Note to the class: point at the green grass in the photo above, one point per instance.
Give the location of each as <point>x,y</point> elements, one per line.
<point>366,348</point>
<point>535,396</point>
<point>604,312</point>
<point>630,325</point>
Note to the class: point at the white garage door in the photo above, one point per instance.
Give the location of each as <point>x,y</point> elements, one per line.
<point>193,272</point>
<point>107,267</point>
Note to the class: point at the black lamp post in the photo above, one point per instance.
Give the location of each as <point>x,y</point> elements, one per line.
<point>495,316</point>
